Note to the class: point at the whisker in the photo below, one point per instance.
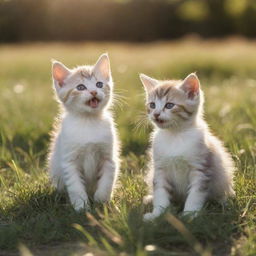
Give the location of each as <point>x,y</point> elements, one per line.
<point>141,123</point>
<point>119,100</point>
<point>120,90</point>
<point>119,93</point>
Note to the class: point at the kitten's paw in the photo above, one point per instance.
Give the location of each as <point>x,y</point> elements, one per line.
<point>58,184</point>
<point>147,199</point>
<point>80,206</point>
<point>190,214</point>
<point>101,197</point>
<point>149,216</point>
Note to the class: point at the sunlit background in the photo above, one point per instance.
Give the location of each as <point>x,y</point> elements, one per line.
<point>132,20</point>
<point>161,38</point>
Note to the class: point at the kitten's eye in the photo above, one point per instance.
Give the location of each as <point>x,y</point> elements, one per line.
<point>152,105</point>
<point>99,84</point>
<point>169,105</point>
<point>81,87</point>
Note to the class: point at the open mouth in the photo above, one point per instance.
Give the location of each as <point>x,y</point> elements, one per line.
<point>93,103</point>
<point>159,121</point>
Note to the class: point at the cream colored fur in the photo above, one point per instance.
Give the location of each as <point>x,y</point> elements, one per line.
<point>84,157</point>
<point>189,164</point>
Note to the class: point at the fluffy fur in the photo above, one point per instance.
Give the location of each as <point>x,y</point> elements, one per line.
<point>84,154</point>
<point>189,164</point>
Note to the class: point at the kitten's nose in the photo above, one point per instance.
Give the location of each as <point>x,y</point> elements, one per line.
<point>93,93</point>
<point>156,115</point>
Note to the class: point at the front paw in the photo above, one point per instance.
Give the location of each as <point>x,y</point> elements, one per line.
<point>81,205</point>
<point>147,199</point>
<point>190,214</point>
<point>149,217</point>
<point>101,197</point>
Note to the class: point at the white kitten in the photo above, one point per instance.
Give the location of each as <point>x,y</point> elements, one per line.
<point>84,155</point>
<point>190,165</point>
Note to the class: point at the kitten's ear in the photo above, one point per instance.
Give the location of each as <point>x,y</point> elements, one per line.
<point>102,67</point>
<point>191,85</point>
<point>59,72</point>
<point>148,82</point>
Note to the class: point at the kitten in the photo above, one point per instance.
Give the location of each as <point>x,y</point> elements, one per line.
<point>189,163</point>
<point>84,155</point>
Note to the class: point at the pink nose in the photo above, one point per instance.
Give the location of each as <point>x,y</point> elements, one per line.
<point>93,93</point>
<point>156,115</point>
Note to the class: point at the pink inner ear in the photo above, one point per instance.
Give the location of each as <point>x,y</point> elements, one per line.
<point>102,67</point>
<point>60,73</point>
<point>193,90</point>
<point>191,86</point>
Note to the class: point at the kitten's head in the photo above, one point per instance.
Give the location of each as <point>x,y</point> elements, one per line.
<point>85,89</point>
<point>173,104</point>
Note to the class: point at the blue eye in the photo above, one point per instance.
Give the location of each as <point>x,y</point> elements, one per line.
<point>169,105</point>
<point>81,87</point>
<point>99,84</point>
<point>152,105</point>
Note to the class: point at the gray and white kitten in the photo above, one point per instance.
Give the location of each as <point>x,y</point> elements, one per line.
<point>189,164</point>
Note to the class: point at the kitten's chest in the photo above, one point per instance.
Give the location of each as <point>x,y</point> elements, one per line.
<point>178,148</point>
<point>87,134</point>
<point>175,156</point>
<point>177,171</point>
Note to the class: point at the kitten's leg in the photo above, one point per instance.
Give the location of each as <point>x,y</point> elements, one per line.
<point>55,170</point>
<point>147,199</point>
<point>161,197</point>
<point>58,182</point>
<point>107,175</point>
<point>56,174</point>
<point>75,187</point>
<point>197,195</point>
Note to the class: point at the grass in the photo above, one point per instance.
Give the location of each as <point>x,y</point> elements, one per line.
<point>33,216</point>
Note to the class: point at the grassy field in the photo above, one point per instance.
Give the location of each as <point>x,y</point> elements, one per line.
<point>34,219</point>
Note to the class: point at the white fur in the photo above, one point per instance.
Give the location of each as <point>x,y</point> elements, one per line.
<point>187,159</point>
<point>85,156</point>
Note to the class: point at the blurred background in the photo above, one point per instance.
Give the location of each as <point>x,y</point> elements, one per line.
<point>124,20</point>
<point>165,39</point>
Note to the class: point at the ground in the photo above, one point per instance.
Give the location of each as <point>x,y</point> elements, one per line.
<point>34,219</point>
